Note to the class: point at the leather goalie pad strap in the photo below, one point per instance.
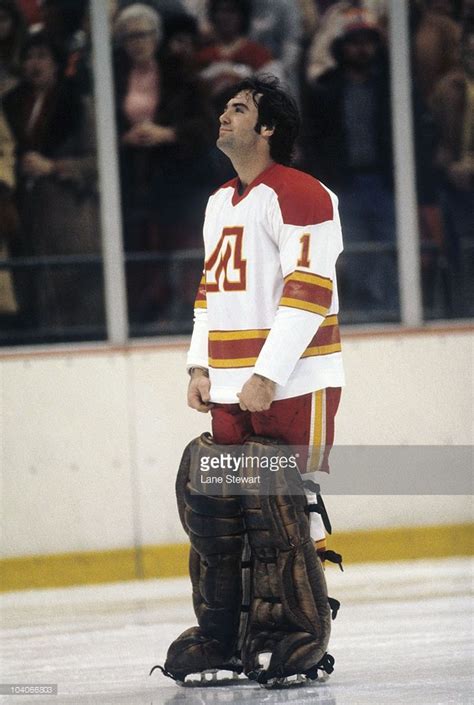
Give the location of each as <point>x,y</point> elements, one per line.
<point>216,530</point>
<point>289,614</point>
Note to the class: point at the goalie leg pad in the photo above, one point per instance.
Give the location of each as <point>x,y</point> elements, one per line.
<point>289,614</point>
<point>216,530</point>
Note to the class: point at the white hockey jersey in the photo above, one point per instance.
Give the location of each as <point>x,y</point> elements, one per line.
<point>267,302</point>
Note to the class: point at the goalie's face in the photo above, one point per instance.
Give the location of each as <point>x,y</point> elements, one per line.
<point>237,135</point>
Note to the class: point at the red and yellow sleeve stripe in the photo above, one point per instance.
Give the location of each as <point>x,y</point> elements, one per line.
<point>241,348</point>
<point>327,339</point>
<point>308,292</point>
<point>201,300</point>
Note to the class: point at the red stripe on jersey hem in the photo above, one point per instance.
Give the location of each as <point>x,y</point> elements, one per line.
<point>234,349</point>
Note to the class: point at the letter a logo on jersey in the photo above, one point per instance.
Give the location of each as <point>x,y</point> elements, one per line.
<point>226,270</point>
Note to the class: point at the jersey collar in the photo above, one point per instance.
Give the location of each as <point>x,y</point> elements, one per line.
<point>238,197</point>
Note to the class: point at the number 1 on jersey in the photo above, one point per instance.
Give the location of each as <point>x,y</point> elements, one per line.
<point>304,256</point>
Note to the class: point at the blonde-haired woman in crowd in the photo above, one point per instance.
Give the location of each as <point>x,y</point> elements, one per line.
<point>166,128</point>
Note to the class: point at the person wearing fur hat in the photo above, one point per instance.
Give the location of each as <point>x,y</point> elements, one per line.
<point>348,147</point>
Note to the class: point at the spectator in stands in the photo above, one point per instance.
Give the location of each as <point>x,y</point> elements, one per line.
<point>435,46</point>
<point>430,220</point>
<point>232,56</point>
<point>12,35</point>
<point>281,26</point>
<point>335,14</point>
<point>181,39</point>
<point>278,25</point>
<point>348,146</point>
<point>56,173</point>
<point>8,218</point>
<point>199,9</point>
<point>31,11</point>
<point>167,9</point>
<point>446,8</point>
<point>309,19</point>
<point>453,109</point>
<point>166,129</point>
<point>65,21</point>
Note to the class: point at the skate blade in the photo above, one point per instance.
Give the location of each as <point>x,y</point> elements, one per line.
<point>295,681</point>
<point>212,677</point>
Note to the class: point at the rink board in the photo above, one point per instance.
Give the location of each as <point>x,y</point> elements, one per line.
<point>172,560</point>
<point>91,438</point>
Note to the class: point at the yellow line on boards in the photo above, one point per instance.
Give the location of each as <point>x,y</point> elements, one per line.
<point>404,543</point>
<point>171,560</point>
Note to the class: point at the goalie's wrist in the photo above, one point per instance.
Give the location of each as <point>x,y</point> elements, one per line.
<point>266,380</point>
<point>196,371</point>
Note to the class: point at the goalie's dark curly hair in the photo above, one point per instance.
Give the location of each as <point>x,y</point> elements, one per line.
<point>276,108</point>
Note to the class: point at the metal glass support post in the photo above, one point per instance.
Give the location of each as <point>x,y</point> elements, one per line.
<point>110,209</point>
<point>409,271</point>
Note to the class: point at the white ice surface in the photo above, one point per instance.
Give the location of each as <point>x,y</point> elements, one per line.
<point>404,635</point>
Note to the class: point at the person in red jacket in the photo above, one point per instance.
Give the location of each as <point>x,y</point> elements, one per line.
<point>232,56</point>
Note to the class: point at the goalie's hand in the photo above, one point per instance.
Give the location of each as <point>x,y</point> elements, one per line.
<point>199,390</point>
<point>257,394</point>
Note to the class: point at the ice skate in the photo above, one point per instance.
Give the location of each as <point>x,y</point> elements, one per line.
<point>282,677</point>
<point>195,659</point>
